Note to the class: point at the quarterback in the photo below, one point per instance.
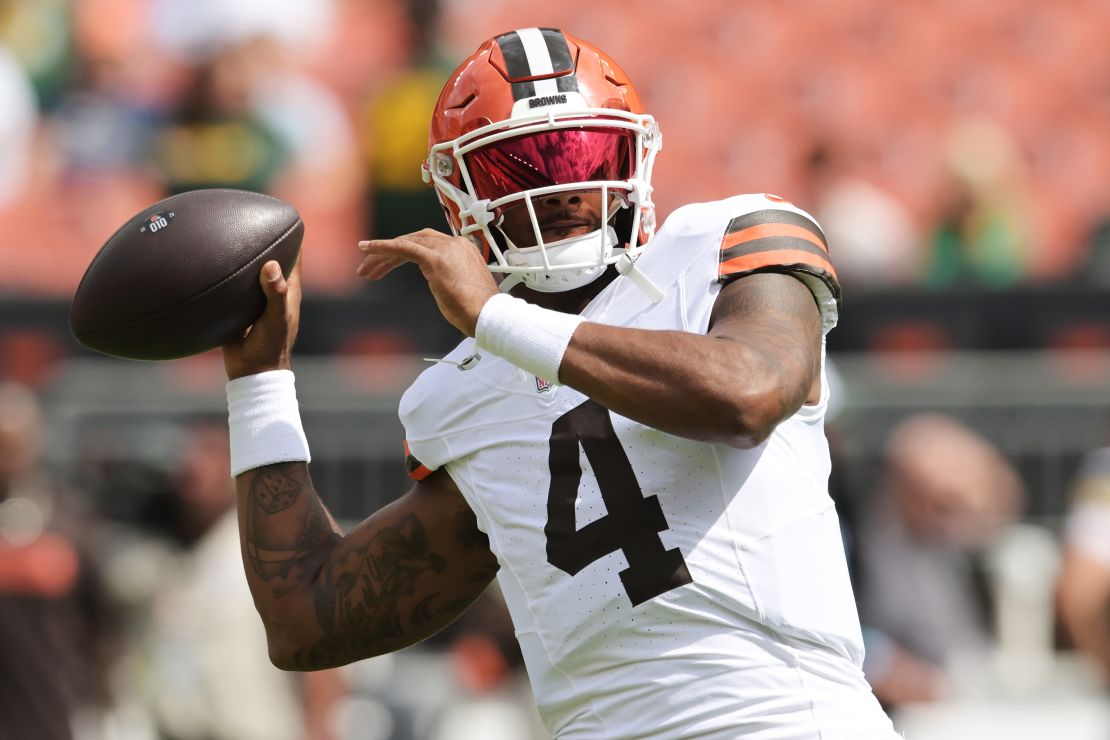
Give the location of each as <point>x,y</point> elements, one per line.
<point>630,438</point>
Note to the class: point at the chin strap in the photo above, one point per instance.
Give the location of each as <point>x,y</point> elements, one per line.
<point>627,266</point>
<point>510,281</point>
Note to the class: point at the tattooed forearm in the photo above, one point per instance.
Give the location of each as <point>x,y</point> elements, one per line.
<point>328,599</point>
<point>364,599</point>
<point>286,532</point>
<point>276,488</point>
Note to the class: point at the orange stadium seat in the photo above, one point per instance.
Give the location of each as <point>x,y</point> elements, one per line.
<point>50,236</point>
<point>883,81</point>
<point>30,356</point>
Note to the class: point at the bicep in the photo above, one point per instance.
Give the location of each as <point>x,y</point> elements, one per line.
<point>775,317</point>
<point>400,576</point>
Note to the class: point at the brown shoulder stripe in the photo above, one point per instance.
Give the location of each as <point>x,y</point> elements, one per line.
<point>763,231</point>
<point>774,244</point>
<point>777,259</point>
<point>776,216</point>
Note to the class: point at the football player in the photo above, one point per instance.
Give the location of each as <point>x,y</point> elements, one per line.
<point>630,437</point>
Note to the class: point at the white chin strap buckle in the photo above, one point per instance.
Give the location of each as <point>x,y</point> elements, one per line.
<point>627,266</point>
<point>479,212</point>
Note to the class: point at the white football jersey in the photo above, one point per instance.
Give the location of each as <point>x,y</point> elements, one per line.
<point>661,587</point>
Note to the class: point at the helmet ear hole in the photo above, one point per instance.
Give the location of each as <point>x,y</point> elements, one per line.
<point>447,218</point>
<point>502,244</point>
<point>622,224</point>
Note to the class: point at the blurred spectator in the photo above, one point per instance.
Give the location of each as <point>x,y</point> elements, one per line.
<point>394,140</point>
<point>944,495</point>
<point>255,120</point>
<point>980,238</point>
<point>1084,583</point>
<point>96,149</point>
<point>82,164</point>
<point>210,674</point>
<point>396,133</point>
<point>321,175</point>
<point>215,139</point>
<point>39,33</point>
<point>17,128</point>
<point>872,235</point>
<point>100,126</point>
<point>988,232</point>
<point>193,29</point>
<point>56,645</point>
<point>307,117</point>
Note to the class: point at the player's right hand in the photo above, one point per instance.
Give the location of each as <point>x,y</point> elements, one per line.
<point>457,275</point>
<point>268,343</point>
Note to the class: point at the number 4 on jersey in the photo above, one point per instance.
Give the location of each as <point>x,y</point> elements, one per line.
<point>632,524</point>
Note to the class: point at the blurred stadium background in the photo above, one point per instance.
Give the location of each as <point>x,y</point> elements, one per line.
<point>956,152</point>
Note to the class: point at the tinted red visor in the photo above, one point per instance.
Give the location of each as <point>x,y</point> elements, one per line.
<point>550,158</point>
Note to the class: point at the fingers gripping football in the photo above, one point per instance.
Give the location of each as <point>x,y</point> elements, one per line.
<point>457,276</point>
<point>268,344</point>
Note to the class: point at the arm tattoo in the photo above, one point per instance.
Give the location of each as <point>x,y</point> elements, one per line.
<point>275,490</point>
<point>281,536</point>
<point>366,591</point>
<point>358,596</point>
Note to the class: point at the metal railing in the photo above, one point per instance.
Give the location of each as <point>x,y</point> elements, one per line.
<point>1043,410</point>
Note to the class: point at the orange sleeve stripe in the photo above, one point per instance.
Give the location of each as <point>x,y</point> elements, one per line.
<point>781,257</point>
<point>763,231</point>
<point>419,472</point>
<point>416,469</point>
<point>775,216</point>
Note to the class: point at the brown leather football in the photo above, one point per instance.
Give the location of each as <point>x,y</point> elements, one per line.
<point>181,276</point>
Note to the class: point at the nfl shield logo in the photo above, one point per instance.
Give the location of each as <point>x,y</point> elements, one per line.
<point>542,385</point>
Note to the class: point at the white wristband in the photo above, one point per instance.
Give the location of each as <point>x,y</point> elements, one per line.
<point>530,337</point>
<point>264,421</point>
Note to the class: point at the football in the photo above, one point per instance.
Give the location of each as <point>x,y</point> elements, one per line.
<point>181,276</point>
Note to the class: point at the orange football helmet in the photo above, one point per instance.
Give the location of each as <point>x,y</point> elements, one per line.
<point>535,112</point>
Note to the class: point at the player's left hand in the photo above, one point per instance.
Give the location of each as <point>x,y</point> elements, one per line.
<point>456,274</point>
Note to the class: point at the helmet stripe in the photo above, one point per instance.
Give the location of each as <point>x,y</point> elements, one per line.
<point>558,49</point>
<point>538,52</point>
<point>549,55</point>
<point>523,90</point>
<point>535,46</point>
<point>516,65</point>
<point>567,83</point>
<point>516,59</point>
